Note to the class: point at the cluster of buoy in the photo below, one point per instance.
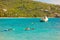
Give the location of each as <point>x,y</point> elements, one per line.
<point>9,29</point>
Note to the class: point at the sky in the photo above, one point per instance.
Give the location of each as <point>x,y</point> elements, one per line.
<point>50,1</point>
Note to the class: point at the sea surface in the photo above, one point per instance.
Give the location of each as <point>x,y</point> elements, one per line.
<point>15,29</point>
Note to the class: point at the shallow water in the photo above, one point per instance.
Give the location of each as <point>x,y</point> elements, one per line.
<point>42,30</point>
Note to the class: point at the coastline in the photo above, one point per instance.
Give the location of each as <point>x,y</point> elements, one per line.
<point>25,17</point>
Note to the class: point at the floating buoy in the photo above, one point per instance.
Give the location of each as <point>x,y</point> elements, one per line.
<point>32,28</point>
<point>27,28</point>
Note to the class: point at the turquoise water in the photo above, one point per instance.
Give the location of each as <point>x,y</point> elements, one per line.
<point>42,30</point>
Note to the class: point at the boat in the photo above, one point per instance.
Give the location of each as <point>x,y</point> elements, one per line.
<point>44,19</point>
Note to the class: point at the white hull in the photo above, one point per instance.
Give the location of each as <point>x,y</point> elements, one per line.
<point>45,19</point>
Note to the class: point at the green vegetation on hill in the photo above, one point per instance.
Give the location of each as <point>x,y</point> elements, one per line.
<point>27,8</point>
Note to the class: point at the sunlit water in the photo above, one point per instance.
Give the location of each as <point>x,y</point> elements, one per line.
<point>42,30</point>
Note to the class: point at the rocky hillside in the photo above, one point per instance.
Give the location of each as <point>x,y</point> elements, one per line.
<point>27,8</point>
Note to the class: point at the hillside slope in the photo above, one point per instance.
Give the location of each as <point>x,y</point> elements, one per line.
<point>27,8</point>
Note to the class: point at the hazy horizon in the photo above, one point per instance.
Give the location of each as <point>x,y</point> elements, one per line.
<point>56,2</point>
